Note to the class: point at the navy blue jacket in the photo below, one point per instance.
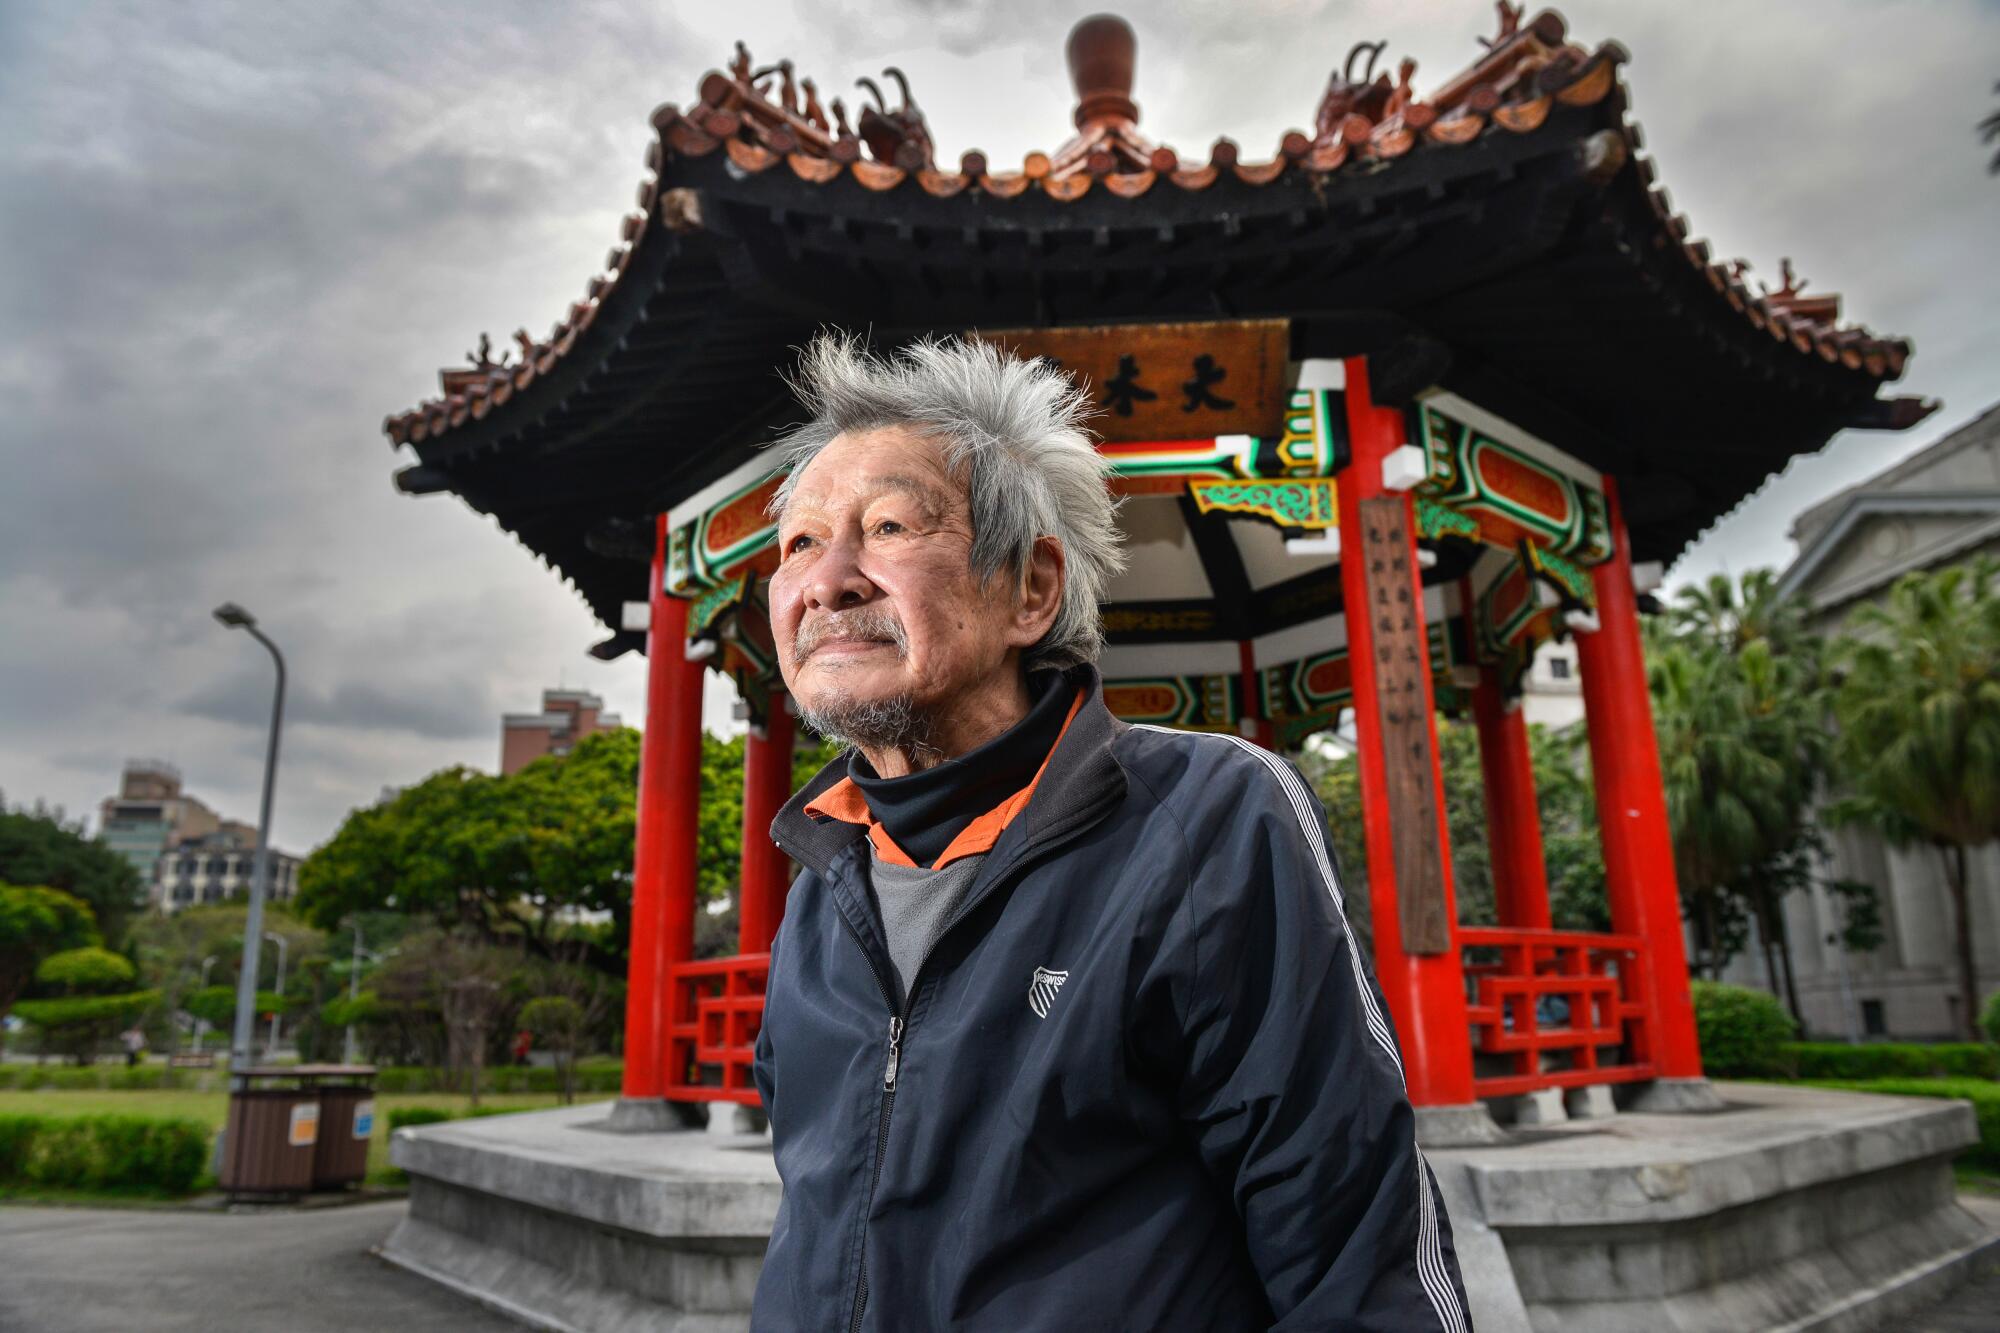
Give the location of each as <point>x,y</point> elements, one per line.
<point>1143,1081</point>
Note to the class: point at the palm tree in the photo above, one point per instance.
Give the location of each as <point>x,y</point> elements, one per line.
<point>1732,614</point>
<point>1919,712</point>
<point>1738,757</point>
<point>1739,709</point>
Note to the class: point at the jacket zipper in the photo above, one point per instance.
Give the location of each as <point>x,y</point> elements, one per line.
<point>894,1058</point>
<point>890,1065</point>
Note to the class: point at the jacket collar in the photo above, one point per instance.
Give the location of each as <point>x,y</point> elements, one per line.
<point>1082,781</point>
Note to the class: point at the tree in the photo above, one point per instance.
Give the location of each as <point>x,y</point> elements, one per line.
<point>516,858</point>
<point>1568,816</point>
<point>171,948</point>
<point>1738,705</point>
<point>216,1005</point>
<point>40,847</point>
<point>35,922</point>
<point>558,1023</point>
<point>1919,712</point>
<point>84,999</point>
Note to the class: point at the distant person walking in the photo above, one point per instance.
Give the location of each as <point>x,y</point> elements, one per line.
<point>135,1045</point>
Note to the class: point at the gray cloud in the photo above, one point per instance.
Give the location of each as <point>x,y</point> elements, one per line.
<point>240,234</point>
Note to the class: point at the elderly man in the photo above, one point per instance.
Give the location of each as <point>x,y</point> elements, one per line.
<point>1065,1027</point>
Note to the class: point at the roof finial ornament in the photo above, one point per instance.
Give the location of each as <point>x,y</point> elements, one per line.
<point>1404,93</point>
<point>1737,268</point>
<point>1103,52</point>
<point>526,342</point>
<point>1374,50</point>
<point>740,67</point>
<point>898,136</point>
<point>790,88</point>
<point>1791,286</point>
<point>1510,23</point>
<point>814,113</point>
<point>483,358</point>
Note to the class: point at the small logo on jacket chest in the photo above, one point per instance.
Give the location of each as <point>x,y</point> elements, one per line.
<point>1042,990</point>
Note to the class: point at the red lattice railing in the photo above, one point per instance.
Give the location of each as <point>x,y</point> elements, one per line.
<point>1565,1009</point>
<point>715,1007</point>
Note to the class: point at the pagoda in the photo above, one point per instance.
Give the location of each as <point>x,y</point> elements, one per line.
<point>1437,379</point>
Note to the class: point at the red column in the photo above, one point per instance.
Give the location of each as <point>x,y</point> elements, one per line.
<point>1513,820</point>
<point>1631,800</point>
<point>1262,731</point>
<point>766,872</point>
<point>1426,992</point>
<point>663,862</point>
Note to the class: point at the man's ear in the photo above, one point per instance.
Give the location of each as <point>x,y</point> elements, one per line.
<point>1041,593</point>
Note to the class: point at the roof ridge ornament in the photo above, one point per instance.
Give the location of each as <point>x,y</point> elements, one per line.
<point>1102,54</point>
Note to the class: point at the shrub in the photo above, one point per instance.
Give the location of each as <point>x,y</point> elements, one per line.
<point>402,1117</point>
<point>1826,1059</point>
<point>83,1009</point>
<point>1742,1031</point>
<point>119,1153</point>
<point>1989,1017</point>
<point>1982,1093</point>
<point>599,1075</point>
<point>86,971</point>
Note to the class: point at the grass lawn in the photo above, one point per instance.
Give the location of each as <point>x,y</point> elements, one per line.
<point>212,1108</point>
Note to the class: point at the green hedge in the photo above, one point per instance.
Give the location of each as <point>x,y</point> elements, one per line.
<point>402,1117</point>
<point>108,1153</point>
<point>1984,1094</point>
<point>100,1078</point>
<point>1741,1031</point>
<point>1892,1059</point>
<point>591,1076</point>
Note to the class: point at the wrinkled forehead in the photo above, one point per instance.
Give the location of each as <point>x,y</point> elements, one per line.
<point>859,466</point>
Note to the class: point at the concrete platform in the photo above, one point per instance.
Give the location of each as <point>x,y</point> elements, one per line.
<point>1788,1208</point>
<point>557,1220</point>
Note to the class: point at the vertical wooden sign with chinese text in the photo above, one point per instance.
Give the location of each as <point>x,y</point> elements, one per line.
<point>1171,381</point>
<point>1402,696</point>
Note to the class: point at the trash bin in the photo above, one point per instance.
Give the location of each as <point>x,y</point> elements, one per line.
<point>346,1124</point>
<point>294,1128</point>
<point>272,1132</point>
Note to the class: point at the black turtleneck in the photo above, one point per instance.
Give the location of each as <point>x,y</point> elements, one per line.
<point>924,811</point>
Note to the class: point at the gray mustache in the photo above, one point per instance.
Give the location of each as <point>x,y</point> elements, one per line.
<point>861,624</point>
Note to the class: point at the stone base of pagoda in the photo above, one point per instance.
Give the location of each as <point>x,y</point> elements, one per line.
<point>1786,1208</point>
<point>561,1222</point>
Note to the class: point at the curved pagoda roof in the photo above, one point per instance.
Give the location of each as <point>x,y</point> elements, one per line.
<point>1500,236</point>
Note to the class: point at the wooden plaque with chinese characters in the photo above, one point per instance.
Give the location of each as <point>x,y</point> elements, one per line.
<point>1403,698</point>
<point>1171,381</point>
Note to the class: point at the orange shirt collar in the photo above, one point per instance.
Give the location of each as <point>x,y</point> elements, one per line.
<point>843,801</point>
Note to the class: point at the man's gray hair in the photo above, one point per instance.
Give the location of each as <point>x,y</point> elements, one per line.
<point>1013,429</point>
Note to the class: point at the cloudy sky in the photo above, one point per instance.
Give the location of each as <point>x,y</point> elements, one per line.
<point>238,234</point>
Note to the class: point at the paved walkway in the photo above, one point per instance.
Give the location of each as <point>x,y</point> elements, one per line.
<point>81,1270</point>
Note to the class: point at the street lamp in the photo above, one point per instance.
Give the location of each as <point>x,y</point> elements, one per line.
<point>200,1023</point>
<point>235,617</point>
<point>271,1045</point>
<point>350,1050</point>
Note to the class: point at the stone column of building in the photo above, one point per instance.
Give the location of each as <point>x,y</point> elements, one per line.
<point>1632,816</point>
<point>766,871</point>
<point>663,863</point>
<point>1425,991</point>
<point>1513,819</point>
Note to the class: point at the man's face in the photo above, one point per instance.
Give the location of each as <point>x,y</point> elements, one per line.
<point>874,604</point>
